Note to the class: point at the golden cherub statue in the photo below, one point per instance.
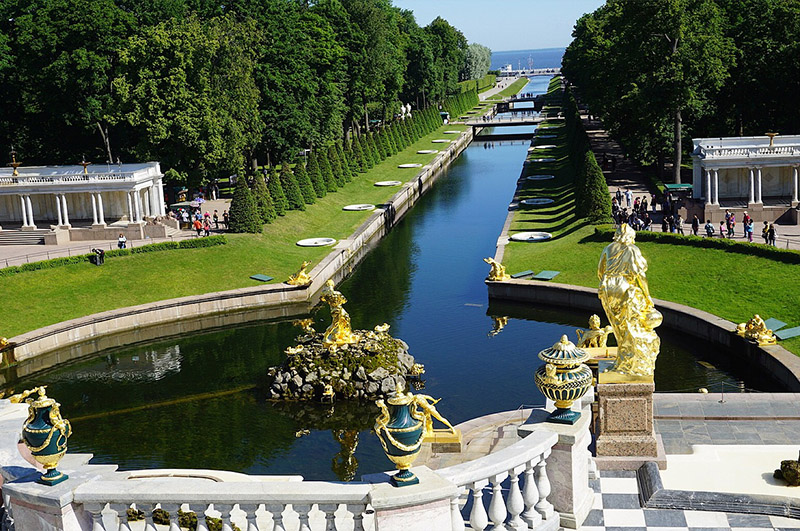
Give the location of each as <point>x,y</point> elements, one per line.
<point>300,278</point>
<point>756,329</point>
<point>626,300</point>
<point>497,272</point>
<point>339,332</point>
<point>595,337</point>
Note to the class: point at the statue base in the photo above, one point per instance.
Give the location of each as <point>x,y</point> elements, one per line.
<point>444,441</point>
<point>626,438</point>
<point>404,478</point>
<point>564,416</point>
<point>52,477</point>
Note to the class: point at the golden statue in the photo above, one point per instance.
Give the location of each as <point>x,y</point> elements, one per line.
<point>626,300</point>
<point>328,395</point>
<point>498,271</point>
<point>498,323</point>
<point>339,332</point>
<point>423,408</point>
<point>595,337</point>
<point>306,325</point>
<point>756,329</point>
<point>300,278</point>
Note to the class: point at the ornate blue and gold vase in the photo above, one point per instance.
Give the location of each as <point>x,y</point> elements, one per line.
<point>400,429</point>
<point>564,378</point>
<point>45,433</point>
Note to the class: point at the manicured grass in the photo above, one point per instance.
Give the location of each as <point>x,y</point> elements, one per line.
<point>39,298</point>
<point>728,284</point>
<point>510,90</point>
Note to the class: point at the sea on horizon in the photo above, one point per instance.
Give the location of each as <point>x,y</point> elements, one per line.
<point>537,58</point>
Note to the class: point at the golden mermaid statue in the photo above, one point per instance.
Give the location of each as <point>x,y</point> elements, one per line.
<point>339,332</point>
<point>626,300</point>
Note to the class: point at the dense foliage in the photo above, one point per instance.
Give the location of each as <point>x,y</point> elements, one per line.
<point>657,70</point>
<point>208,87</point>
<point>245,214</point>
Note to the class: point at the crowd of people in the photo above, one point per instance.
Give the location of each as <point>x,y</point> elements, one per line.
<point>199,221</point>
<point>639,218</point>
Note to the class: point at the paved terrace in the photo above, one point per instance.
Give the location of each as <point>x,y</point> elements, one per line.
<point>727,444</point>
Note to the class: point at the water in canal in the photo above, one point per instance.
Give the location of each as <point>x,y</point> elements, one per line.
<point>199,401</point>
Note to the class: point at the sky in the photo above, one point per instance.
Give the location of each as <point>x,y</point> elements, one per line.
<point>506,24</point>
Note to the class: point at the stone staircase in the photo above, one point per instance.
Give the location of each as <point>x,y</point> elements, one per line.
<point>20,237</point>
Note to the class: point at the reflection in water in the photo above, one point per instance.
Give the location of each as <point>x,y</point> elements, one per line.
<point>344,464</point>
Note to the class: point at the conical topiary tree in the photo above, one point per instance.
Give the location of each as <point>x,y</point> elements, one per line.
<point>276,192</point>
<point>358,155</point>
<point>369,156</point>
<point>380,148</point>
<point>293,194</point>
<point>303,180</point>
<point>315,174</point>
<point>351,159</point>
<point>266,209</point>
<point>244,215</point>
<point>347,173</point>
<point>336,166</point>
<point>327,172</point>
<point>596,199</point>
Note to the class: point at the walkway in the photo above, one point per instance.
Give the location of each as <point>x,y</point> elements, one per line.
<point>630,175</point>
<point>502,84</point>
<point>713,443</point>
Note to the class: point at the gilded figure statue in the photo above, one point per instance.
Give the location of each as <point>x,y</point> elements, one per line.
<point>417,369</point>
<point>626,300</point>
<point>306,325</point>
<point>424,409</point>
<point>756,329</point>
<point>498,270</point>
<point>595,337</point>
<point>301,278</point>
<point>339,332</point>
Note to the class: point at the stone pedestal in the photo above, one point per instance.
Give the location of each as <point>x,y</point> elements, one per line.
<point>401,509</point>
<point>626,438</point>
<point>567,465</point>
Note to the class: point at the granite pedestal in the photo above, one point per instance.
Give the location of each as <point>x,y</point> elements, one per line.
<point>567,465</point>
<point>626,438</point>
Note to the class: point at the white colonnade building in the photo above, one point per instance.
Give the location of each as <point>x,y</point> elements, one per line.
<point>758,174</point>
<point>88,199</point>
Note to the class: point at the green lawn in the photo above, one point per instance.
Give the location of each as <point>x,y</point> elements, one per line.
<point>39,298</point>
<point>731,285</point>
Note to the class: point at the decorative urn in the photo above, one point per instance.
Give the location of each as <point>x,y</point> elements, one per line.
<point>563,378</point>
<point>45,433</point>
<point>401,430</point>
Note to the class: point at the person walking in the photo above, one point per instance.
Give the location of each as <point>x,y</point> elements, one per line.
<point>748,230</point>
<point>216,220</point>
<point>198,226</point>
<point>722,229</point>
<point>728,222</point>
<point>628,197</point>
<point>765,231</point>
<point>772,232</point>
<point>709,228</point>
<point>225,217</point>
<point>695,225</point>
<point>732,228</point>
<point>746,219</point>
<point>207,227</point>
<point>679,224</point>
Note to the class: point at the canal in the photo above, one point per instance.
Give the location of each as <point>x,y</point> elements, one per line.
<point>199,401</point>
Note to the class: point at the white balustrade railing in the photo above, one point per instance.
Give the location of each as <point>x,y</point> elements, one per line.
<point>750,151</point>
<point>252,506</point>
<point>523,507</point>
<point>67,178</point>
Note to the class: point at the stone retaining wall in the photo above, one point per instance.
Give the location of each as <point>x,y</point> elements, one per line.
<point>86,335</point>
<point>774,360</point>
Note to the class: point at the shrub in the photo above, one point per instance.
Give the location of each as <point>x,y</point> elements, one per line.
<point>315,174</point>
<point>595,198</point>
<point>294,197</point>
<point>327,172</point>
<point>266,210</point>
<point>336,166</point>
<point>276,192</point>
<point>303,180</point>
<point>244,214</point>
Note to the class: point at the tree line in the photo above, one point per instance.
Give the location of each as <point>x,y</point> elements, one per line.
<point>209,87</point>
<point>656,71</point>
<point>275,191</point>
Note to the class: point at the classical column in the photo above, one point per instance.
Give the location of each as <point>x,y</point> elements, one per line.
<point>716,187</point>
<point>137,202</point>
<point>94,208</point>
<point>24,211</point>
<point>30,211</point>
<point>102,217</point>
<point>708,187</point>
<point>752,198</point>
<point>758,185</point>
<point>130,207</point>
<point>64,208</point>
<point>58,209</point>
<point>147,211</point>
<point>160,192</point>
<point>795,183</point>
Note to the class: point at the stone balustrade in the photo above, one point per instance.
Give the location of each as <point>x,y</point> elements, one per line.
<point>749,151</point>
<point>526,506</point>
<point>100,498</point>
<point>67,178</point>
